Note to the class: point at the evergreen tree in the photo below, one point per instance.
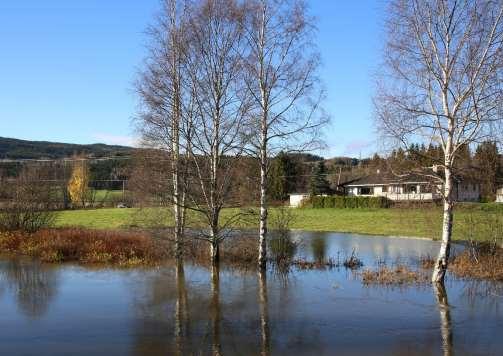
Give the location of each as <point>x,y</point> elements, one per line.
<point>282,179</point>
<point>319,183</point>
<point>489,168</point>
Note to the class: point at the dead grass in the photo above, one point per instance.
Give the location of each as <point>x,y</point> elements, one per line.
<point>86,246</point>
<point>236,250</point>
<point>353,262</point>
<point>398,275</point>
<point>427,262</point>
<point>479,261</point>
<point>122,248</point>
<point>307,265</point>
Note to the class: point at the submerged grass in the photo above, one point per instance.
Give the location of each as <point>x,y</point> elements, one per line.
<point>397,275</point>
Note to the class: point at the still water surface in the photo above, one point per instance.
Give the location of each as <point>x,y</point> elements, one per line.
<point>73,310</point>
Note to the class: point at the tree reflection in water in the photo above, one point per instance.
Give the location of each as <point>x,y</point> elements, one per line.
<point>264,313</point>
<point>181,310</point>
<point>215,310</point>
<point>445,318</point>
<point>319,248</point>
<point>35,285</point>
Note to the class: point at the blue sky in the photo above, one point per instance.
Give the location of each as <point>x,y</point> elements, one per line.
<point>67,67</point>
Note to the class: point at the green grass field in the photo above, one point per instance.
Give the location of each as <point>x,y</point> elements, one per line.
<point>102,195</point>
<point>476,222</point>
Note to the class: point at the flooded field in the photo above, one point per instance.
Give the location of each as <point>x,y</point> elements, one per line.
<point>68,309</point>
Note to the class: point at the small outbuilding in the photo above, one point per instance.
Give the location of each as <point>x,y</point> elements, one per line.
<point>499,195</point>
<point>297,198</point>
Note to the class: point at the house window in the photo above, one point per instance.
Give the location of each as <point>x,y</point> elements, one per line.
<point>384,188</point>
<point>411,189</point>
<point>366,191</point>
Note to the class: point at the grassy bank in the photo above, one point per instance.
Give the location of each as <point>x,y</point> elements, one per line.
<point>478,222</point>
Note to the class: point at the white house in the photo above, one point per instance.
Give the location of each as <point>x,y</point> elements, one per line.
<point>410,187</point>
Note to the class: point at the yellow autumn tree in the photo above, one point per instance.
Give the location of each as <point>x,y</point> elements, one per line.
<point>77,185</point>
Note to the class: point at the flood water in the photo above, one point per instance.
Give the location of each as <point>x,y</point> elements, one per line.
<point>74,310</point>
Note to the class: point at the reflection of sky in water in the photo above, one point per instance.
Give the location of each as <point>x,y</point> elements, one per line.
<point>368,248</point>
<point>323,312</point>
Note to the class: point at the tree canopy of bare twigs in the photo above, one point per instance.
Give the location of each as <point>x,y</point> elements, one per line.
<point>442,84</point>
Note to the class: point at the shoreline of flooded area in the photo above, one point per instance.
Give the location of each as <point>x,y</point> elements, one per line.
<point>193,310</point>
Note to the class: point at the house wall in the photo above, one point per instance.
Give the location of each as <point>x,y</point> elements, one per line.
<point>499,195</point>
<point>464,192</point>
<point>395,192</point>
<point>409,196</point>
<point>296,199</point>
<point>468,192</point>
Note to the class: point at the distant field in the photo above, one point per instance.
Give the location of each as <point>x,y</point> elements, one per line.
<point>480,222</point>
<point>102,195</point>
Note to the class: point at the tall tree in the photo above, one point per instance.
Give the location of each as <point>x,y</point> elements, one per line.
<point>442,84</point>
<point>281,66</point>
<point>161,93</point>
<point>79,181</point>
<point>216,49</point>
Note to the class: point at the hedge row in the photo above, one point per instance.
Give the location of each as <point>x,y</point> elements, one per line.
<point>342,202</point>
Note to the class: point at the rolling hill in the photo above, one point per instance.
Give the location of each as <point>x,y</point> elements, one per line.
<point>11,148</point>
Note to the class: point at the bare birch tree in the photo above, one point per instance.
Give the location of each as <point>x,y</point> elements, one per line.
<point>219,111</point>
<point>442,84</point>
<point>161,92</point>
<point>281,67</point>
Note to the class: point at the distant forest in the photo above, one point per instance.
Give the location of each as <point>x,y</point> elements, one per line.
<point>11,148</point>
<point>290,172</point>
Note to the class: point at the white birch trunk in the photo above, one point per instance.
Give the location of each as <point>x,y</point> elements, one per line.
<point>214,242</point>
<point>175,134</point>
<point>262,255</point>
<point>445,245</point>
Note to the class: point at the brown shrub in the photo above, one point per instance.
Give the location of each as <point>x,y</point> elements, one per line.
<point>86,246</point>
<point>399,275</point>
<point>479,261</point>
<point>124,248</point>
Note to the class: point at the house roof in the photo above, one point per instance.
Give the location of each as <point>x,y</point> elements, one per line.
<point>408,178</point>
<point>385,179</point>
